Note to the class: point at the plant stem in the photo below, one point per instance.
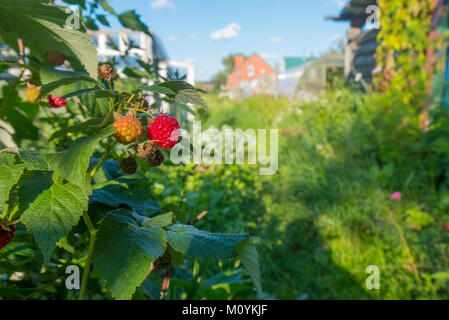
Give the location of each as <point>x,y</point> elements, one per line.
<point>93,238</point>
<point>103,159</point>
<point>91,227</point>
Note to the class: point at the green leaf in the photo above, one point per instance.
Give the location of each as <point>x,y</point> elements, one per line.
<point>193,242</point>
<point>161,220</point>
<point>42,28</point>
<point>249,257</point>
<point>184,92</point>
<point>81,92</point>
<point>103,20</point>
<point>158,89</point>
<point>106,7</point>
<point>137,195</point>
<point>34,161</point>
<point>48,88</point>
<point>74,162</point>
<point>22,124</point>
<point>75,128</point>
<point>53,214</point>
<point>10,174</point>
<point>131,20</point>
<point>125,250</point>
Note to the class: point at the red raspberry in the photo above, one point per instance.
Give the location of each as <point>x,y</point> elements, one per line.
<point>56,102</point>
<point>129,129</point>
<point>6,235</point>
<point>164,130</point>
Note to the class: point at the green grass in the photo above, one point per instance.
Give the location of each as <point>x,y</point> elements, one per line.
<point>327,215</point>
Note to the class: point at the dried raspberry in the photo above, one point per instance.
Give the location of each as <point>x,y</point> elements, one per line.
<point>128,165</point>
<point>56,102</point>
<point>145,149</point>
<point>128,128</point>
<point>6,235</point>
<point>164,130</point>
<point>155,159</point>
<point>55,58</point>
<point>163,262</point>
<point>32,93</point>
<point>106,72</point>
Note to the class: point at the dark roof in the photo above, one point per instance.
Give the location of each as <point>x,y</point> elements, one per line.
<point>355,9</point>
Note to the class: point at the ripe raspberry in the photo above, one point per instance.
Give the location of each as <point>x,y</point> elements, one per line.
<point>145,149</point>
<point>155,159</point>
<point>6,235</point>
<point>55,58</point>
<point>56,102</point>
<point>164,130</point>
<point>129,129</point>
<point>32,93</point>
<point>106,72</point>
<point>128,165</point>
<point>163,262</point>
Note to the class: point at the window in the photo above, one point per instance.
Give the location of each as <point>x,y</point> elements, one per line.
<point>250,71</point>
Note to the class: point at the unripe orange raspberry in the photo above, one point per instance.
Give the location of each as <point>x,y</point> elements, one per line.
<point>129,129</point>
<point>32,93</point>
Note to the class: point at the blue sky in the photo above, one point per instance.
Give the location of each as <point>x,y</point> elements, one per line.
<point>203,32</point>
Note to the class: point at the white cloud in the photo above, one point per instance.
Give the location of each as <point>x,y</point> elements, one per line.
<point>162,4</point>
<point>172,38</point>
<point>229,32</point>
<point>276,40</point>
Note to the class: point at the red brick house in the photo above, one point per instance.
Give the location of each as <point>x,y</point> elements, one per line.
<point>248,70</point>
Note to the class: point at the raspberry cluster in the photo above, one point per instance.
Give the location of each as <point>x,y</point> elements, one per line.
<point>6,235</point>
<point>56,102</point>
<point>129,129</point>
<point>164,130</point>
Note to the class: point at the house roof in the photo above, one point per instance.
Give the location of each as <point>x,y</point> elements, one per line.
<point>248,59</point>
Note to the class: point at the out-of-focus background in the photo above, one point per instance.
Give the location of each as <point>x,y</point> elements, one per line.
<point>358,90</point>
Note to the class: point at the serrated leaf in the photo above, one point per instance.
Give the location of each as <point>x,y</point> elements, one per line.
<point>80,93</point>
<point>137,195</point>
<point>10,174</point>
<point>196,243</point>
<point>161,220</point>
<point>53,214</point>
<point>42,28</point>
<point>75,128</point>
<point>184,92</point>
<point>74,162</point>
<point>249,257</point>
<point>124,252</point>
<point>131,20</point>
<point>159,89</point>
<point>49,87</point>
<point>34,161</point>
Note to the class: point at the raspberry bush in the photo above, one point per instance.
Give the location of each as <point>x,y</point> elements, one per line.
<point>72,179</point>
